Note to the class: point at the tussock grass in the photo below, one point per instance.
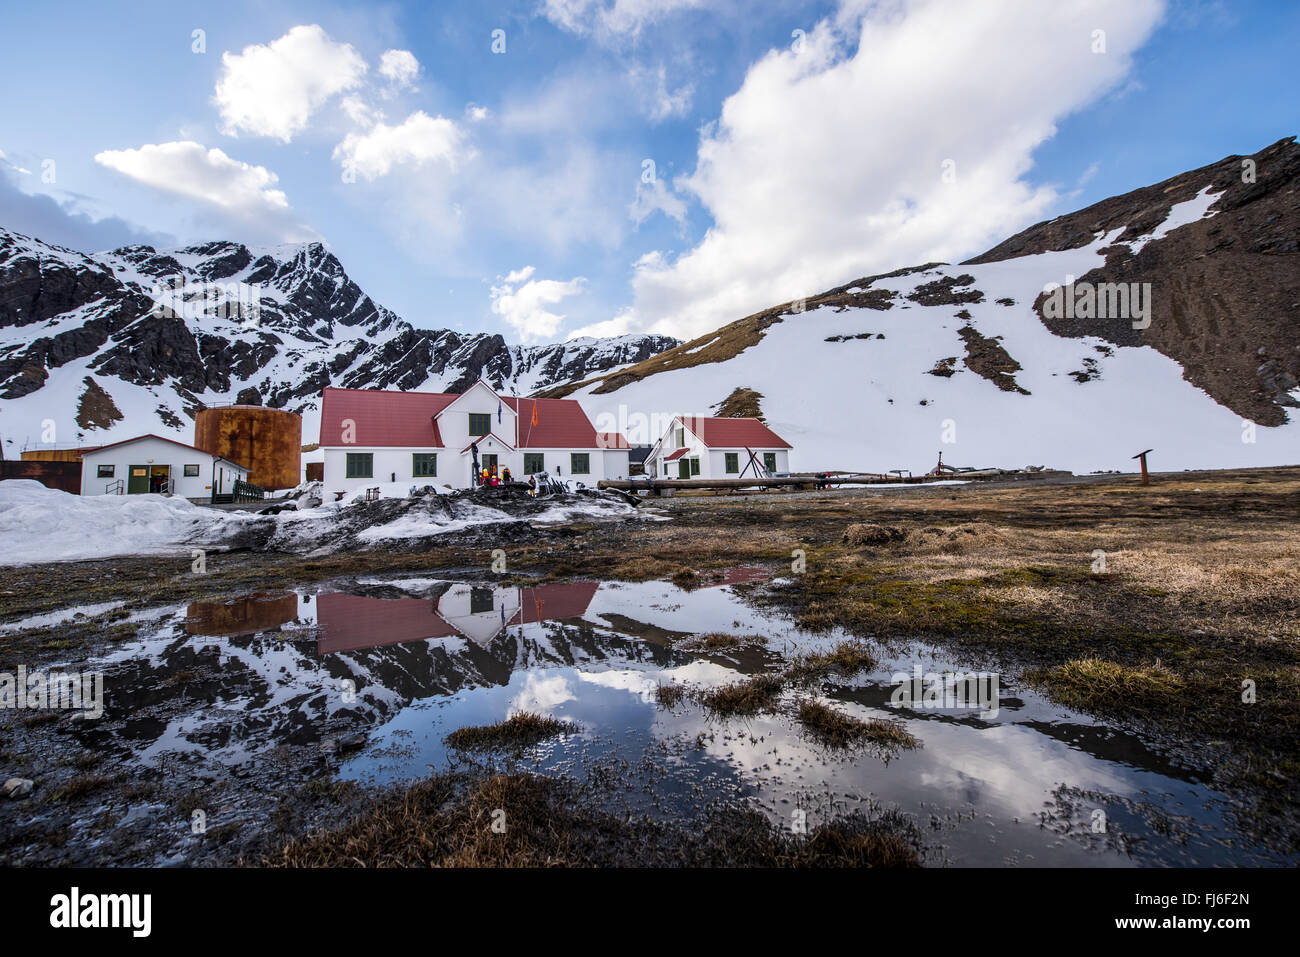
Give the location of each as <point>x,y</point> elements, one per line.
<point>846,659</point>
<point>1091,684</point>
<point>80,786</point>
<point>743,697</point>
<point>519,731</point>
<point>669,696</point>
<point>839,730</point>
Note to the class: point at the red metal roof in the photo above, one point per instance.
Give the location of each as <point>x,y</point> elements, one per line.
<point>676,455</point>
<point>382,418</point>
<point>553,602</point>
<point>728,433</point>
<point>561,424</point>
<point>612,440</point>
<point>409,420</point>
<point>353,622</point>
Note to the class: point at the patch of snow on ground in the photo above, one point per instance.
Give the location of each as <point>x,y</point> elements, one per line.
<point>39,524</point>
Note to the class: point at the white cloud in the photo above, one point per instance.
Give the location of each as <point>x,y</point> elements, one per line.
<point>273,89</point>
<point>400,67</point>
<point>827,163</point>
<point>523,307</point>
<point>360,112</point>
<point>654,196</point>
<point>657,102</point>
<point>245,192</point>
<point>611,19</point>
<point>419,139</point>
<point>8,162</point>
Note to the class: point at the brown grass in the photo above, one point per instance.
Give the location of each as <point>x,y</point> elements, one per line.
<point>669,696</point>
<point>846,659</point>
<point>80,786</point>
<point>743,697</point>
<point>1091,684</point>
<point>524,820</point>
<point>839,730</point>
<point>522,730</point>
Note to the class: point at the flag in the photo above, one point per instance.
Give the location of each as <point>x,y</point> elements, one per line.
<point>534,414</point>
<point>498,411</point>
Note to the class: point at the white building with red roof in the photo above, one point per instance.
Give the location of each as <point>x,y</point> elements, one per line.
<point>151,463</point>
<point>371,437</point>
<point>696,446</point>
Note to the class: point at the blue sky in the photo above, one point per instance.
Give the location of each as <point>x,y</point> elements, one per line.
<point>794,146</point>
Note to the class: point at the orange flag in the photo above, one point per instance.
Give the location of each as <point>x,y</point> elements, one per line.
<point>534,414</point>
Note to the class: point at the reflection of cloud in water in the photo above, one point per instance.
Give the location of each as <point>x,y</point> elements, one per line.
<point>542,693</point>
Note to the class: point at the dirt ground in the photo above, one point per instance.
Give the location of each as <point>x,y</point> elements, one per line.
<point>1173,608</point>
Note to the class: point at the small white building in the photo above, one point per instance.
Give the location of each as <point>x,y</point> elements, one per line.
<point>150,463</point>
<point>370,437</point>
<point>712,448</point>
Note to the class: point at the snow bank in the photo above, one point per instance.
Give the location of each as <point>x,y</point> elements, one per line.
<point>39,524</point>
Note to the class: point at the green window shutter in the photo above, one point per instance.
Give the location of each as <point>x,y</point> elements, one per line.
<point>769,461</point>
<point>580,463</point>
<point>695,466</point>
<point>480,423</point>
<point>534,462</point>
<point>424,465</point>
<point>361,465</point>
<point>733,462</point>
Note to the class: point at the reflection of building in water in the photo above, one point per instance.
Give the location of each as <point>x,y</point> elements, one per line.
<point>242,616</point>
<point>477,612</point>
<point>740,575</point>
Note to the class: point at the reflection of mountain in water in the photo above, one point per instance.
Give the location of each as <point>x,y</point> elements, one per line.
<point>223,681</point>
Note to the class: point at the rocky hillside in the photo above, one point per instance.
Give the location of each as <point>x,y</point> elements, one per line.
<point>978,362</point>
<point>136,340</point>
<point>1225,288</point>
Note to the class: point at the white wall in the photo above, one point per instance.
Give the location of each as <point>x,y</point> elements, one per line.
<point>454,468</point>
<point>717,464</point>
<point>150,452</point>
<point>668,445</point>
<point>453,421</point>
<point>617,464</point>
<point>389,461</point>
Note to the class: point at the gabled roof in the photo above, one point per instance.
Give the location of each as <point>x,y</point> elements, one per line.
<point>729,433</point>
<point>561,424</point>
<point>382,417</point>
<point>493,435</point>
<point>612,440</point>
<point>150,435</point>
<point>409,420</point>
<point>676,455</point>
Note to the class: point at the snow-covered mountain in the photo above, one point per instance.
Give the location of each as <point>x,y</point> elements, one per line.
<point>98,348</point>
<point>978,362</point>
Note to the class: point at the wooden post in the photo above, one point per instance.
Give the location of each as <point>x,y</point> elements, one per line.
<point>1142,457</point>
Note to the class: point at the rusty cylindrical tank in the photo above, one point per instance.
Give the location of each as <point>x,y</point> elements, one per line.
<point>268,441</point>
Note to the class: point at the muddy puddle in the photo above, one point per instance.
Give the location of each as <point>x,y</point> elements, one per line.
<point>363,682</point>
